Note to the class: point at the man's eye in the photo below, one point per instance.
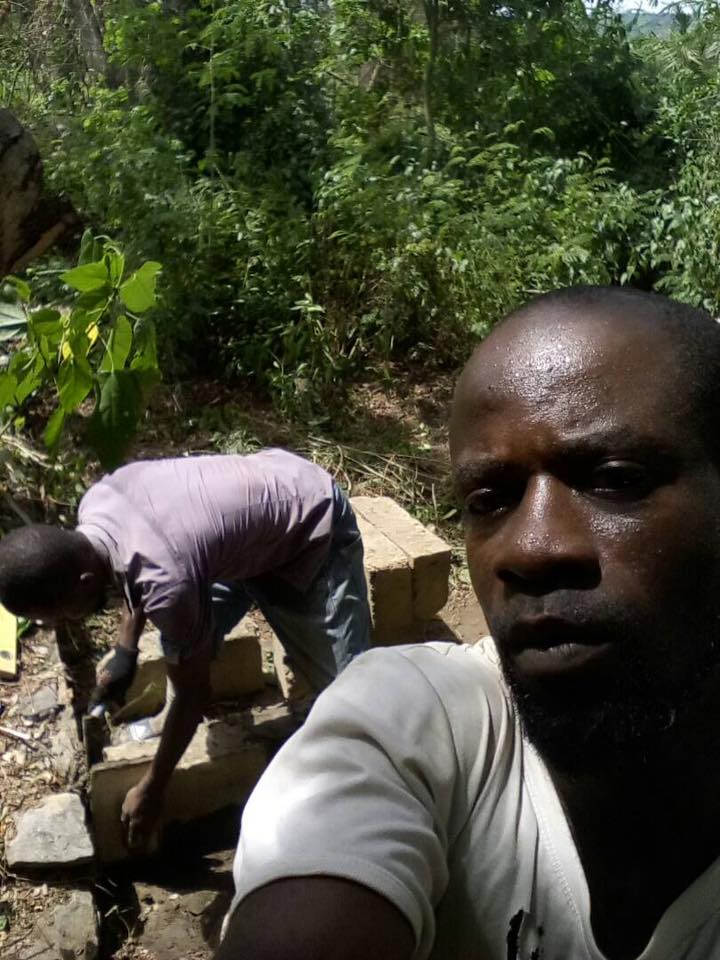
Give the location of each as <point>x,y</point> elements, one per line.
<point>488,500</point>
<point>620,478</point>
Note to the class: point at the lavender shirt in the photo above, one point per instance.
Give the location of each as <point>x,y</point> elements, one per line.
<point>170,528</point>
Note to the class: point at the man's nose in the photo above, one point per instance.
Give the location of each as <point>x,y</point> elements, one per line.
<point>547,543</point>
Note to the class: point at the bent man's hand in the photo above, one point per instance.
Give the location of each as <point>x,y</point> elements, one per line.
<point>114,677</point>
<point>140,815</point>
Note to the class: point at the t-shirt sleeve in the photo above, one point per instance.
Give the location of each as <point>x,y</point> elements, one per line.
<point>182,614</point>
<point>363,791</point>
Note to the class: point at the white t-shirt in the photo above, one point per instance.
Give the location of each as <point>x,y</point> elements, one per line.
<point>411,777</point>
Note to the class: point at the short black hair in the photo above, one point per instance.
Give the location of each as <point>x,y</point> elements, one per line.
<point>39,566</point>
<point>693,332</point>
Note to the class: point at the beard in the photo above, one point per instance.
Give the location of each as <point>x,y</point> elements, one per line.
<point>626,714</point>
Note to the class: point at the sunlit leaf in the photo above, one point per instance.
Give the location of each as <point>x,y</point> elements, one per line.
<point>118,346</point>
<point>138,293</point>
<point>90,277</point>
<point>74,383</point>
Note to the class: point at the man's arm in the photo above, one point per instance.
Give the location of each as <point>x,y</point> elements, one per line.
<point>316,918</point>
<point>143,803</point>
<point>116,672</point>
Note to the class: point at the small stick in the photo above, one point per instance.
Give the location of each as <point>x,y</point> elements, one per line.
<point>18,735</point>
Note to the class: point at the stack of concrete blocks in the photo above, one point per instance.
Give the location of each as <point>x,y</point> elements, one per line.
<point>407,570</point>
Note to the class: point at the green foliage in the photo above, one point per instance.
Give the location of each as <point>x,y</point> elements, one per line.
<point>681,238</point>
<point>100,350</point>
<point>331,187</point>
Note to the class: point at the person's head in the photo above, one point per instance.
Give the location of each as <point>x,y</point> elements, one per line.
<point>586,451</point>
<point>50,574</point>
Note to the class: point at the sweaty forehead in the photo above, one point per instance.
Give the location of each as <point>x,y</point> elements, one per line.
<point>554,367</point>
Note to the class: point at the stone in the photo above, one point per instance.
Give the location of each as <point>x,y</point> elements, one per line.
<point>219,769</point>
<point>41,704</point>
<point>389,579</point>
<point>51,835</point>
<point>71,929</point>
<point>428,555</point>
<point>35,950</point>
<point>235,673</point>
<point>65,748</point>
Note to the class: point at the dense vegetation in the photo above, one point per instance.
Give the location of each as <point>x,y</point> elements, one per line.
<point>331,186</point>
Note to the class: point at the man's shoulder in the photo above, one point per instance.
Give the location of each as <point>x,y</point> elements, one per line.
<point>432,686</point>
<point>441,662</point>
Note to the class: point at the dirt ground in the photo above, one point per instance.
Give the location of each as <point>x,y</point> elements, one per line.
<point>390,440</point>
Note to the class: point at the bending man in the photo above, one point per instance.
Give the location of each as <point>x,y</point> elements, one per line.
<point>192,543</point>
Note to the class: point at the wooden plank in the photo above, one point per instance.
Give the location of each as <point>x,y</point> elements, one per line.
<point>8,645</point>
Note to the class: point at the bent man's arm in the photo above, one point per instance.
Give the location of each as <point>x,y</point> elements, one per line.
<point>116,671</point>
<point>316,918</point>
<point>142,806</point>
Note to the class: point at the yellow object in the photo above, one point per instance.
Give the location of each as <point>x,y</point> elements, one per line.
<point>8,645</point>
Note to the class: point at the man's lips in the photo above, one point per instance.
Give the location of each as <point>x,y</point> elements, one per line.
<point>545,645</point>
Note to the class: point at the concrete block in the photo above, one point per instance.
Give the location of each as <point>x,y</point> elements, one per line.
<point>389,579</point>
<point>428,555</point>
<point>220,767</point>
<point>236,672</point>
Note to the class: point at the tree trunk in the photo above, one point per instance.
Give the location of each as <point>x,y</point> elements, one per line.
<point>432,17</point>
<point>30,223</point>
<point>90,36</point>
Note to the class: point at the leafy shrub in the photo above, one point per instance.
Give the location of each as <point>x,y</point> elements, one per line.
<point>102,347</point>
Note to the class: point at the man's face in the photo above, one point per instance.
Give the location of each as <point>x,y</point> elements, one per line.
<point>592,516</point>
<point>78,604</point>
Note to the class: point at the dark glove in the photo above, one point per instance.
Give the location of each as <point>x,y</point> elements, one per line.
<point>114,677</point>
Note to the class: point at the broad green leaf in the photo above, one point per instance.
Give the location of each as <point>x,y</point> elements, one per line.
<point>145,346</point>
<point>74,383</point>
<point>90,248</point>
<point>33,378</point>
<point>53,429</point>
<point>20,363</point>
<point>112,425</point>
<point>8,386</point>
<point>46,323</point>
<point>94,300</point>
<point>116,266</point>
<point>82,331</point>
<point>138,293</point>
<point>118,346</point>
<point>90,277</point>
